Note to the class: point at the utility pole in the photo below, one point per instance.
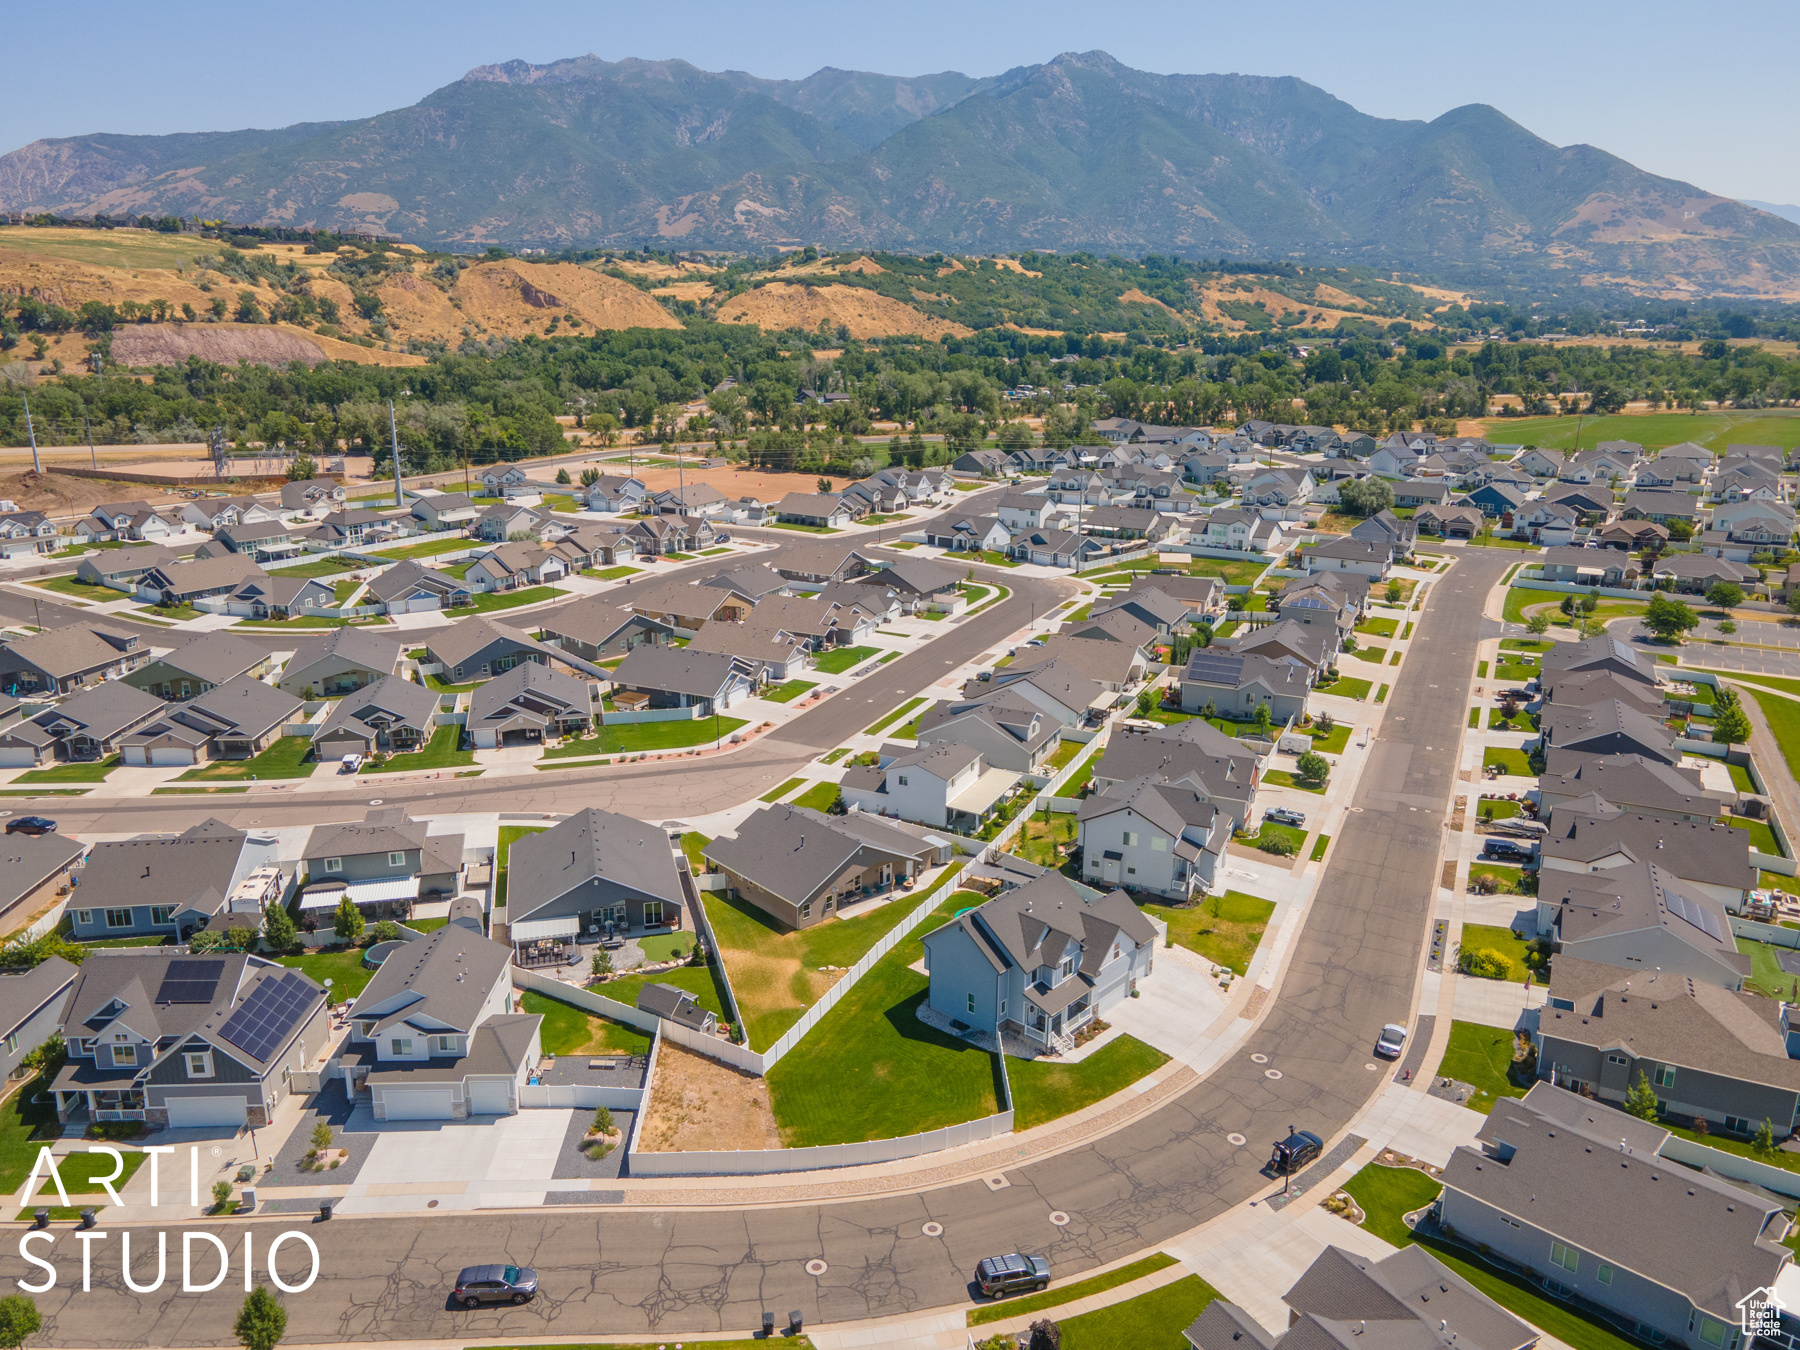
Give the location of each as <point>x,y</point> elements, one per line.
<point>93,456</point>
<point>31,435</point>
<point>394,441</point>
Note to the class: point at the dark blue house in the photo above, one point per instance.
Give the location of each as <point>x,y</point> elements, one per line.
<point>1496,499</point>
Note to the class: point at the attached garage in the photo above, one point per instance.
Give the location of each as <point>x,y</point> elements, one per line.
<point>490,1097</point>
<point>207,1112</point>
<point>434,1103</point>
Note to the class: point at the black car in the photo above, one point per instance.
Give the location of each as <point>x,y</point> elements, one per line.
<point>1295,1152</point>
<point>31,825</point>
<point>1508,848</point>
<point>495,1284</point>
<point>997,1275</point>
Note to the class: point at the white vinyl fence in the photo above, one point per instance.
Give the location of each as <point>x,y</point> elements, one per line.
<point>579,1096</point>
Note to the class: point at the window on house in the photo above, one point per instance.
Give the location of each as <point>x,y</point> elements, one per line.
<point>653,912</point>
<point>1604,1273</point>
<point>806,910</point>
<point>1665,1076</point>
<point>1131,871</point>
<point>334,864</point>
<point>1068,967</point>
<point>12,1043</point>
<point>1738,1124</point>
<point>401,1045</point>
<point>124,1056</point>
<point>1003,1007</point>
<point>1712,1331</point>
<point>446,1044</point>
<point>1562,1254</point>
<point>1617,1059</point>
<point>902,780</point>
<point>199,1064</point>
<point>396,860</point>
<point>162,915</point>
<point>118,918</point>
<point>971,1003</point>
<point>1128,838</point>
<point>84,916</point>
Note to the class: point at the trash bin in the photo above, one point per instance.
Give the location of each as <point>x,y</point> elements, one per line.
<point>324,1210</point>
<point>247,1201</point>
<point>40,1218</point>
<point>87,1217</point>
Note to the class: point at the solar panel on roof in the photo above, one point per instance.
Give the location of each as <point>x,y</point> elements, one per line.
<point>190,982</point>
<point>1205,665</point>
<point>272,1010</point>
<point>1695,913</point>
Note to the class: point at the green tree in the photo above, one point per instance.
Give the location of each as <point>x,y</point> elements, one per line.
<point>1260,719</point>
<point>1538,624</point>
<point>1394,592</point>
<point>1567,604</point>
<point>19,1319</point>
<point>1731,724</point>
<point>347,923</point>
<point>278,927</point>
<point>248,311</point>
<point>1725,594</point>
<point>1762,1144</point>
<point>1640,1098</point>
<point>824,485</point>
<point>302,469</point>
<point>261,1322</point>
<point>1366,496</point>
<point>590,476</point>
<point>1669,619</point>
<point>562,477</point>
<point>321,1137</point>
<point>1314,766</point>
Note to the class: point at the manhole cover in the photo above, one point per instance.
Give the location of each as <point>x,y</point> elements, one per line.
<point>1236,1140</point>
<point>816,1267</point>
<point>933,1230</point>
<point>1058,1218</point>
<point>1369,1067</point>
<point>996,1183</point>
<point>1271,1073</point>
<point>376,801</point>
<point>1259,1059</point>
<point>431,1204</point>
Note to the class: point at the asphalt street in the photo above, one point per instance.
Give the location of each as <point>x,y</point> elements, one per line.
<point>613,1270</point>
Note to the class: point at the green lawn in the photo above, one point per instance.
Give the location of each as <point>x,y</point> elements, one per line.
<point>1526,644</point>
<point>1481,1056</point>
<point>1331,742</point>
<point>1519,721</point>
<point>1152,1321</point>
<point>1347,686</point>
<point>503,846</point>
<point>1062,756</point>
<point>341,591</point>
<point>1386,1193</point>
<point>776,971</point>
<point>691,844</point>
<point>1713,429</point>
<point>633,737</point>
<point>1038,839</point>
<point>697,980</point>
<point>173,613</point>
<point>1783,717</point>
<point>439,753</point>
<point>806,529</point>
<point>426,550</point>
<point>1068,1293</point>
<point>894,717</point>
<point>837,661</point>
<point>1044,1091</point>
<point>286,758</point>
<point>81,590</point>
<point>1371,651</point>
<point>1320,844</point>
<point>1490,937</point>
<point>18,1118</point>
<point>79,1170</point>
<point>1762,838</point>
<point>1509,880</point>
<point>1514,762</point>
<point>71,773</point>
<point>611,573</point>
<point>569,1030</point>
<point>872,1070</point>
<point>819,796</point>
<point>788,692</point>
<point>1282,778</point>
<point>1515,670</point>
<point>1225,929</point>
<point>1766,975</point>
<point>1496,808</point>
<point>489,601</point>
<point>327,566</point>
<point>1270,829</point>
<point>775,794</point>
<point>1382,628</point>
<point>343,966</point>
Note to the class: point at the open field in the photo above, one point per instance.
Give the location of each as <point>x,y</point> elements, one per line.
<point>1714,430</point>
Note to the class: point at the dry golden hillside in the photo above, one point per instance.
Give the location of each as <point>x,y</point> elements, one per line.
<point>514,298</point>
<point>864,313</point>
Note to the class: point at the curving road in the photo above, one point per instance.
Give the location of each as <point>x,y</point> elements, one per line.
<point>1355,966</point>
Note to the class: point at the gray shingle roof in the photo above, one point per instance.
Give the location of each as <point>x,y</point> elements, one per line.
<point>411,704</point>
<point>358,646</point>
<point>193,870</point>
<point>102,711</point>
<point>70,650</point>
<point>215,657</point>
<point>791,851</point>
<point>623,855</point>
<point>24,992</point>
<point>430,967</point>
<point>677,670</point>
<point>456,644</point>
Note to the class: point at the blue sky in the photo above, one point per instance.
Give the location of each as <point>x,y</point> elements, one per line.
<point>1698,93</point>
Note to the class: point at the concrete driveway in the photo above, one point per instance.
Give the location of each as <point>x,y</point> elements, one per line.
<point>461,1164</point>
<point>1174,1006</point>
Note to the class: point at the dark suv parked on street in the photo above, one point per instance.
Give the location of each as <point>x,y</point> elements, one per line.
<point>997,1275</point>
<point>1295,1152</point>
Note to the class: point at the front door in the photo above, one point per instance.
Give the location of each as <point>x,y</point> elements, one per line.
<point>1110,868</point>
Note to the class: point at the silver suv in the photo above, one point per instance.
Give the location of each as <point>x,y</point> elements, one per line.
<point>997,1275</point>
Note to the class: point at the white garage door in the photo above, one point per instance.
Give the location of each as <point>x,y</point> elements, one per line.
<point>171,754</point>
<point>492,1097</point>
<point>189,1112</point>
<point>418,1103</point>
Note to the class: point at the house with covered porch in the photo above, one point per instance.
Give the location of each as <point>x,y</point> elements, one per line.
<point>596,875</point>
<point>1039,961</point>
<point>383,863</point>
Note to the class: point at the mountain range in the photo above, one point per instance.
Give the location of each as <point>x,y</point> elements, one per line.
<point>1080,152</point>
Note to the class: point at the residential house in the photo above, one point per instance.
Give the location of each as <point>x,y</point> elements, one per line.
<point>1365,557</point>
<point>508,567</point>
<point>34,871</point>
<point>348,527</point>
<point>312,496</point>
<point>1545,1191</point>
<point>261,541</point>
<point>763,644</point>
<point>1602,653</point>
<point>692,499</point>
<point>441,511</point>
<point>919,582</point>
<point>1040,960</point>
<point>1129,522</point>
<point>1588,567</point>
<point>1194,755</point>
<point>658,535</point>
<point>125,520</point>
<point>1056,548</point>
<point>1384,527</point>
<point>1287,639</point>
<point>1756,522</point>
<point>1591,834</point>
<point>680,677</point>
<point>1709,1053</point>
<point>943,783</point>
<point>1661,507</point>
<point>1149,835</point>
<point>615,494</point>
<point>32,1001</point>
<point>1418,492</point>
<point>1459,521</point>
<point>1633,534</point>
<point>477,648</point>
<point>1006,729</point>
<point>1114,664</point>
<point>234,720</point>
<point>198,664</point>
<point>59,660</point>
<point>1695,573</point>
<point>384,861</point>
<point>1332,601</point>
<point>1592,504</point>
<point>1540,462</point>
<point>1607,728</point>
<point>797,865</point>
<point>1640,917</point>
<point>121,568</point>
<point>280,597</point>
<point>1495,500</point>
<point>339,662</point>
<point>410,587</point>
<point>1236,684</point>
<point>621,877</point>
<point>183,1042</point>
<point>26,533</point>
<point>174,885</point>
<point>508,480</point>
<point>985,463</point>
<point>1024,511</point>
<point>88,725</point>
<point>504,521</point>
<point>968,534</point>
<point>1282,488</point>
<point>1166,616</point>
<point>1639,785</point>
<point>528,705</point>
<point>391,716</point>
<point>433,1036</point>
<point>820,509</point>
<point>1402,1301</point>
<point>182,583</point>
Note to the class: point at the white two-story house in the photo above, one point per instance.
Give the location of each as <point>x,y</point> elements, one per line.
<point>945,783</point>
<point>1148,835</point>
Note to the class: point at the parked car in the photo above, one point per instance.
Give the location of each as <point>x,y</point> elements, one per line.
<point>997,1275</point>
<point>495,1284</point>
<point>1391,1041</point>
<point>350,763</point>
<point>1508,848</point>
<point>1295,1152</point>
<point>1285,815</point>
<point>31,825</point>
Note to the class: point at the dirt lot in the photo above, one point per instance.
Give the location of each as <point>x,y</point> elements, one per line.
<point>697,1103</point>
<point>55,495</point>
<point>734,482</point>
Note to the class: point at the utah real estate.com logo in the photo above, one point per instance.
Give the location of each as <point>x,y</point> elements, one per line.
<point>1759,1313</point>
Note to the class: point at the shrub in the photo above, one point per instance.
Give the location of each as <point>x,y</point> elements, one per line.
<point>321,1137</point>
<point>1278,844</point>
<point>603,1120</point>
<point>387,931</point>
<point>1485,964</point>
<point>221,1194</point>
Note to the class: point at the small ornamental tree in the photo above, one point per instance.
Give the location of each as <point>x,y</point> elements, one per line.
<point>1314,766</point>
<point>278,927</point>
<point>1725,594</point>
<point>1731,725</point>
<point>261,1322</point>
<point>1538,624</point>
<point>19,1319</point>
<point>1640,1098</point>
<point>347,923</point>
<point>1669,619</point>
